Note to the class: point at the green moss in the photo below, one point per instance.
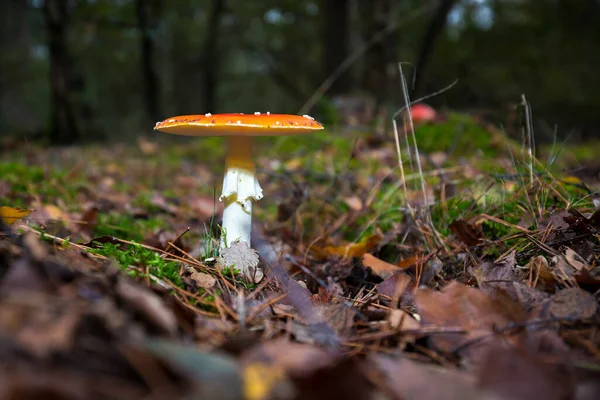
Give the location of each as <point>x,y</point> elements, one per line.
<point>461,136</point>
<point>138,256</point>
<point>125,226</point>
<point>29,180</point>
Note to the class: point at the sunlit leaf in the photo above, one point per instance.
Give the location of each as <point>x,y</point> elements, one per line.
<point>10,215</point>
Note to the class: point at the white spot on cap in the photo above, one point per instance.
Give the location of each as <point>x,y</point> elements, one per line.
<point>238,122</point>
<point>277,123</point>
<point>308,116</point>
<point>268,112</point>
<point>207,114</point>
<point>172,120</point>
<point>157,123</point>
<point>257,113</point>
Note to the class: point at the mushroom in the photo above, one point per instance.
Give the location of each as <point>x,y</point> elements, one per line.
<point>422,113</point>
<point>240,184</point>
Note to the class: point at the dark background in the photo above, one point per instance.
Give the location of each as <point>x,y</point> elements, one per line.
<point>76,70</point>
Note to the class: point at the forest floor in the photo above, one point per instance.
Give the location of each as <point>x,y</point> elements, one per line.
<point>474,278</point>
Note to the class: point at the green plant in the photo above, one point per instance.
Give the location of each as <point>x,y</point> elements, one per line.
<point>143,259</point>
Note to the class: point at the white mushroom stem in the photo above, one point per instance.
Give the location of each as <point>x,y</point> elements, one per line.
<point>240,189</point>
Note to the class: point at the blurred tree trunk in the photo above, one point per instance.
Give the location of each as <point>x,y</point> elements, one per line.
<point>381,56</point>
<point>64,127</point>
<point>146,11</point>
<point>15,41</point>
<point>211,56</point>
<point>336,39</point>
<point>435,28</point>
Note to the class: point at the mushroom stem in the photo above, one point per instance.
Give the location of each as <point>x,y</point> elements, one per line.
<point>240,189</point>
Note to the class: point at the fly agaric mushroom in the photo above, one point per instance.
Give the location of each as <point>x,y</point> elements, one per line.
<point>240,185</point>
<point>422,113</point>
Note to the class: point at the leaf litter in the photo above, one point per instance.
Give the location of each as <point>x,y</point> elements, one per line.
<point>112,286</point>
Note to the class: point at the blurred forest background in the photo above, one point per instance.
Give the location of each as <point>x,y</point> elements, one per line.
<point>76,70</point>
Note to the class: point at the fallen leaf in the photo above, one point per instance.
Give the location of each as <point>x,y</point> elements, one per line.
<point>243,258</point>
<point>204,207</point>
<point>293,358</point>
<point>408,379</point>
<point>512,373</point>
<point>467,232</point>
<point>574,260</point>
<point>350,249</point>
<point>380,267</point>
<point>48,212</point>
<point>261,380</point>
<point>203,280</point>
<point>401,320</point>
<point>10,215</point>
<point>460,306</point>
<point>571,304</point>
<point>162,203</point>
<point>396,285</point>
<point>148,305</point>
<point>409,261</point>
<point>354,202</point>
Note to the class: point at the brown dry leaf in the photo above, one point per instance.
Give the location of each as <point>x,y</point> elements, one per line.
<point>540,267</point>
<point>491,275</point>
<point>467,232</point>
<point>409,261</point>
<point>504,275</point>
<point>86,222</point>
<point>571,304</point>
<point>48,212</point>
<point>380,267</point>
<point>281,369</point>
<point>575,260</point>
<point>204,206</point>
<point>293,358</point>
<point>149,305</point>
<point>10,215</point>
<point>162,203</point>
<point>511,373</point>
<point>203,280</point>
<point>339,316</point>
<point>47,332</point>
<point>401,320</point>
<point>460,306</point>
<point>354,202</point>
<point>411,380</point>
<point>584,278</point>
<point>396,285</point>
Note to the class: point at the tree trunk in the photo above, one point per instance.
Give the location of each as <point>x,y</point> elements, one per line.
<point>435,28</point>
<point>151,83</point>
<point>377,15</point>
<point>64,127</point>
<point>211,56</point>
<point>336,39</point>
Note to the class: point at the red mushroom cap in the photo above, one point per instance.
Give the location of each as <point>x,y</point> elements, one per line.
<point>423,113</point>
<point>256,124</point>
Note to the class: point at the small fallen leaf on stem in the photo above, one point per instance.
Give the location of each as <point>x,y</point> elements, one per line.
<point>10,215</point>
